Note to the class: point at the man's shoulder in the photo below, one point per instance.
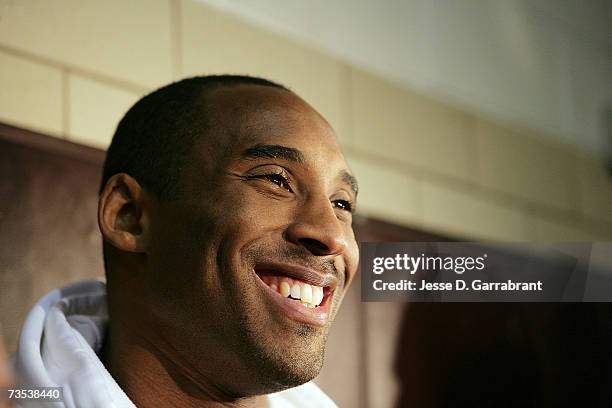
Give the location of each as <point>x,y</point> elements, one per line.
<point>305,395</point>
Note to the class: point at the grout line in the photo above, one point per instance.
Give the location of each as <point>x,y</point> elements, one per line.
<point>531,207</point>
<point>413,169</point>
<point>346,90</point>
<point>473,147</point>
<point>102,78</point>
<point>65,103</point>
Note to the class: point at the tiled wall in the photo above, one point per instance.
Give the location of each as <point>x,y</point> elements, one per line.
<point>71,68</point>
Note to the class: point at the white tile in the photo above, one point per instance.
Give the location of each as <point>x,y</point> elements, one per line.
<point>465,215</point>
<point>517,162</point>
<point>129,40</point>
<point>95,109</point>
<point>399,124</point>
<point>387,193</point>
<point>30,94</point>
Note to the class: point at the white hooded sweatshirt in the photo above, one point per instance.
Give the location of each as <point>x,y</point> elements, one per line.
<point>58,345</point>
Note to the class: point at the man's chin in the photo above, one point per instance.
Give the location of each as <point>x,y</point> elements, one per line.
<point>289,378</point>
<point>284,369</point>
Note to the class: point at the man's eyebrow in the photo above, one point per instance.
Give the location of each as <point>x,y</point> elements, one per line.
<point>291,154</point>
<point>274,152</point>
<point>349,179</point>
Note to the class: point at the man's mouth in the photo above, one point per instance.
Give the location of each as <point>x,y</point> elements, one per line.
<point>302,293</point>
<point>308,295</point>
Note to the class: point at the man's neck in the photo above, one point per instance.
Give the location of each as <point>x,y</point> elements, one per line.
<point>151,379</point>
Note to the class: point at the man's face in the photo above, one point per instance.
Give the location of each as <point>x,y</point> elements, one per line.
<point>263,216</point>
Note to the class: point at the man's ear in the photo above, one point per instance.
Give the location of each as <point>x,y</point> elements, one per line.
<point>123,214</point>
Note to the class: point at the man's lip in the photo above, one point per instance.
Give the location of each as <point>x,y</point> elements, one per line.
<point>305,274</point>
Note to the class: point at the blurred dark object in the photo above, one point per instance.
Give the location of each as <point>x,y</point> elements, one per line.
<point>505,355</point>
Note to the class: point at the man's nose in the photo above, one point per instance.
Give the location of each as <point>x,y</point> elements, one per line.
<point>318,229</point>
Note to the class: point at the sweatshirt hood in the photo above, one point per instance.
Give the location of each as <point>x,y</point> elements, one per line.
<point>58,347</point>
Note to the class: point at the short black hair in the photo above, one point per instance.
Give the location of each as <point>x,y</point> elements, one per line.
<point>153,139</point>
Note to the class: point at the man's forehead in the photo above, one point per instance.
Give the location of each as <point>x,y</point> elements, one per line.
<point>250,122</point>
<point>253,111</point>
<point>244,116</point>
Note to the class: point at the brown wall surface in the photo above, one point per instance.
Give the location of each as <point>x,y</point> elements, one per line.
<point>48,229</point>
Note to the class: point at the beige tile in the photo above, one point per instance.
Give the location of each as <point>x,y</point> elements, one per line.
<point>30,94</point>
<point>387,193</point>
<point>215,42</point>
<point>530,168</point>
<point>552,231</point>
<point>462,214</point>
<point>124,39</point>
<point>95,110</point>
<point>405,126</point>
<point>595,187</point>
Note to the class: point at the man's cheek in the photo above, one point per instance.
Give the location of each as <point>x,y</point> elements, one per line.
<point>261,215</point>
<point>351,260</point>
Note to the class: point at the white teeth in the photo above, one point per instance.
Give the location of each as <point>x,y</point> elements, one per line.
<point>295,291</point>
<point>306,293</point>
<point>285,289</point>
<point>317,295</point>
<point>309,295</point>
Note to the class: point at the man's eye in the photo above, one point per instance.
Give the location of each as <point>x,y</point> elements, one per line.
<point>277,179</point>
<point>343,205</point>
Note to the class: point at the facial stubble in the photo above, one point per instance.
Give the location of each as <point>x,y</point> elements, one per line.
<point>287,353</point>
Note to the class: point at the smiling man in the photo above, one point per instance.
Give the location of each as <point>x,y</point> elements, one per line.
<point>226,210</point>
